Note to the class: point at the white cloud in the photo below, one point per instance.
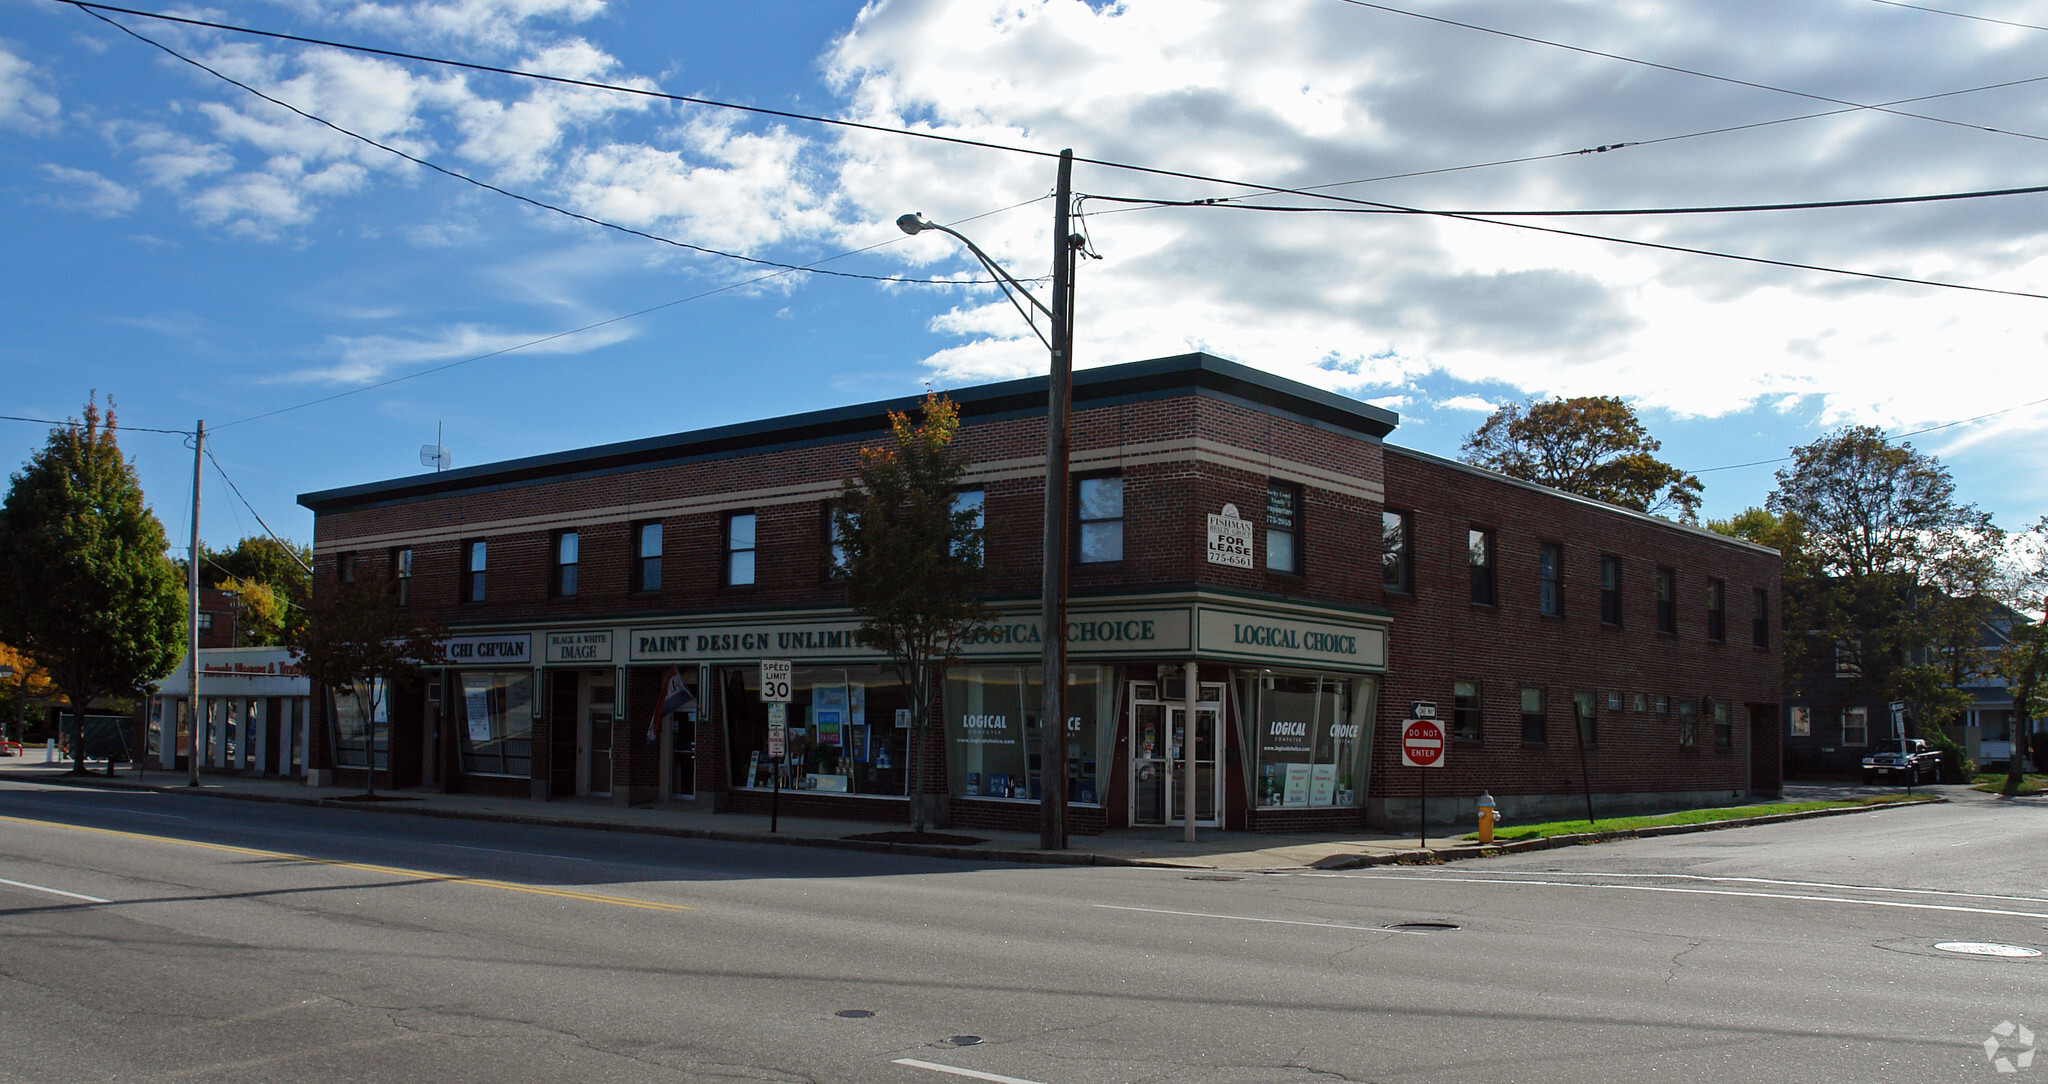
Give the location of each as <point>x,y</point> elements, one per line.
<point>1467,402</point>
<point>365,359</point>
<point>84,190</point>
<point>24,105</point>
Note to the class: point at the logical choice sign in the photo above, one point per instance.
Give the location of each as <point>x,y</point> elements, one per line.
<point>775,681</point>
<point>1422,743</point>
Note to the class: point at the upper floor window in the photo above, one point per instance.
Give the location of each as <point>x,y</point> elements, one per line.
<point>1849,657</point>
<point>1667,601</point>
<point>345,567</point>
<point>1397,551</point>
<point>1717,611</point>
<point>1466,721</point>
<point>1724,728</point>
<point>206,622</point>
<point>647,556</point>
<point>1688,724</point>
<point>1099,511</point>
<point>563,580</point>
<point>1283,527</point>
<point>835,543</point>
<point>1760,618</point>
<point>1534,724</point>
<point>475,560</point>
<point>1479,550</point>
<point>1802,722</point>
<point>973,504</point>
<point>739,549</point>
<point>1550,579</point>
<point>1610,590</point>
<point>401,575</point>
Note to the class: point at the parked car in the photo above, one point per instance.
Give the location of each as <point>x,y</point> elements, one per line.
<point>1888,763</point>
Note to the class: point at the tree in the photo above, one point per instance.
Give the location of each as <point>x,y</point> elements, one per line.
<point>1593,446</point>
<point>2024,661</point>
<point>30,682</point>
<point>359,645</point>
<point>86,590</point>
<point>272,581</point>
<point>912,559</point>
<point>1891,572</point>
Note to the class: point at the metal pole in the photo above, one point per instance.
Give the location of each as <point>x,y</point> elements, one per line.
<point>1422,818</point>
<point>1052,755</point>
<point>192,615</point>
<point>1188,745</point>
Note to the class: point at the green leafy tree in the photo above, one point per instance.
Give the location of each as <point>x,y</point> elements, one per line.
<point>1593,446</point>
<point>1891,571</point>
<point>2024,661</point>
<point>272,581</point>
<point>86,590</point>
<point>360,645</point>
<point>912,559</point>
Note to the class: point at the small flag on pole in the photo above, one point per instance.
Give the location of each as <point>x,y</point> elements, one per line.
<point>675,697</point>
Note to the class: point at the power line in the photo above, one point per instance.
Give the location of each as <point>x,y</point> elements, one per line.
<point>116,428</point>
<point>1959,15</point>
<point>1900,436</point>
<point>1683,71</point>
<point>1882,201</point>
<point>289,549</point>
<point>489,187</point>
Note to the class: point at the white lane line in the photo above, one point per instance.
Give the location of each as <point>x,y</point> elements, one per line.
<point>523,854</point>
<point>53,891</point>
<point>1244,918</point>
<point>971,1074</point>
<point>1753,881</point>
<point>140,813</point>
<point>1797,897</point>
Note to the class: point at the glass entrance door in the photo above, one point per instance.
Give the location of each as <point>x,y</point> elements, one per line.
<point>597,731</point>
<point>1158,741</point>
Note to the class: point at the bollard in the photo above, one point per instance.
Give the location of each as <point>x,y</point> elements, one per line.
<point>49,750</point>
<point>1486,818</point>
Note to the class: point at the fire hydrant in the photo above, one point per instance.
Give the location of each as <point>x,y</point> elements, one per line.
<point>1486,818</point>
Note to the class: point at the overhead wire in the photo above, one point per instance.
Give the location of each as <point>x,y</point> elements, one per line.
<point>1959,15</point>
<point>1675,69</point>
<point>1899,436</point>
<point>289,549</point>
<point>1809,205</point>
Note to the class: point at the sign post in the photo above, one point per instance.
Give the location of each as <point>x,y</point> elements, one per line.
<point>1898,708</point>
<point>775,683</point>
<point>1422,746</point>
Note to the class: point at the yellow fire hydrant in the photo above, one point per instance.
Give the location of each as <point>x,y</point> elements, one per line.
<point>1486,817</point>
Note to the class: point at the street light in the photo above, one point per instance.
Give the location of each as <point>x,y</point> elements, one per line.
<point>1052,753</point>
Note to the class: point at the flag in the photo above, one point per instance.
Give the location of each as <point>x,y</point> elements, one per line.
<point>675,697</point>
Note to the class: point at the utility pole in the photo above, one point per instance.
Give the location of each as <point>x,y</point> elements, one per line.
<point>1052,753</point>
<point>192,615</point>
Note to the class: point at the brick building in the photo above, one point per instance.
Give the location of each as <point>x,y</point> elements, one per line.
<point>608,608</point>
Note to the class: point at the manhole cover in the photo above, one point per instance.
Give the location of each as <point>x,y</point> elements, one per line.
<point>855,1014</point>
<point>1421,927</point>
<point>965,1040</point>
<point>1988,948</point>
<point>1212,877</point>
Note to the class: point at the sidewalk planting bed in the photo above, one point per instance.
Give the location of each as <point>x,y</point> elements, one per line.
<point>1545,830</point>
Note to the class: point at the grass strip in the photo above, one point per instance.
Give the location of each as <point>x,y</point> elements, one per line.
<point>1994,783</point>
<point>1547,829</point>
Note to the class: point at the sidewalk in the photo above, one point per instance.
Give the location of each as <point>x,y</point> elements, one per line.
<point>1151,847</point>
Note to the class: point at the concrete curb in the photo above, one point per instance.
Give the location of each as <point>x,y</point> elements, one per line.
<point>1408,857</point>
<point>1489,850</point>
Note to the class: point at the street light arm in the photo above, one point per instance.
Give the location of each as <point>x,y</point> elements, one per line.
<point>915,224</point>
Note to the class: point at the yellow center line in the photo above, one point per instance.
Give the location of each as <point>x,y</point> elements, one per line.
<point>394,871</point>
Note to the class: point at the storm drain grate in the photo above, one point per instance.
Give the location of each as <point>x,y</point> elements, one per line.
<point>1989,948</point>
<point>1212,877</point>
<point>1421,927</point>
<point>855,1014</point>
<point>965,1040</point>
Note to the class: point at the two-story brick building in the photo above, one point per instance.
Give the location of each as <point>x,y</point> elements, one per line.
<point>609,608</point>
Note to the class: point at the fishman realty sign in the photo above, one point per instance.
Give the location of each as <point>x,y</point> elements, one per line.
<point>1230,539</point>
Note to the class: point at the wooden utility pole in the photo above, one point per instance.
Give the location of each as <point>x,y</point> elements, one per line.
<point>1052,752</point>
<point>192,618</point>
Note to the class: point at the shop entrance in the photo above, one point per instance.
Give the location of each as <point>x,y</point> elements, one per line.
<point>594,727</point>
<point>1158,734</point>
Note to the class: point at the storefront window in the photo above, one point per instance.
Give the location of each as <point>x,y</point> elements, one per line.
<point>849,731</point>
<point>496,722</point>
<point>1309,733</point>
<point>994,731</point>
<point>349,725</point>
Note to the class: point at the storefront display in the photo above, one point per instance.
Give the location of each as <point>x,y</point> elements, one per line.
<point>1309,734</point>
<point>349,725</point>
<point>495,722</point>
<point>994,735</point>
<point>848,730</point>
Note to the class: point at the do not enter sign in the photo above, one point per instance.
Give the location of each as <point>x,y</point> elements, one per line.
<point>1422,743</point>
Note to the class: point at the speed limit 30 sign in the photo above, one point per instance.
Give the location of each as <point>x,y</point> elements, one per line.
<point>1422,743</point>
<point>775,681</point>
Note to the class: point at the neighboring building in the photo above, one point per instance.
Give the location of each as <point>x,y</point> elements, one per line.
<point>254,714</point>
<point>218,614</point>
<point>609,607</point>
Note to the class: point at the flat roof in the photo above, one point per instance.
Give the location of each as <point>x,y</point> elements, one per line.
<point>1184,374</point>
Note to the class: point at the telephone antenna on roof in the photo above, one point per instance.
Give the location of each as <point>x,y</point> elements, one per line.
<point>435,455</point>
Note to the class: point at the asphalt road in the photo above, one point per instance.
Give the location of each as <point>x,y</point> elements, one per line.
<point>162,937</point>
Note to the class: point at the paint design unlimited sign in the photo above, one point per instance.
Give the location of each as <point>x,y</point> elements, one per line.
<point>1230,539</point>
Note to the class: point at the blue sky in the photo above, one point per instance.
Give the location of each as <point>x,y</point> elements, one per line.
<point>194,252</point>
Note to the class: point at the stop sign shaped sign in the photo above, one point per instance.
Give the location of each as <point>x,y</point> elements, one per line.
<point>1422,744</point>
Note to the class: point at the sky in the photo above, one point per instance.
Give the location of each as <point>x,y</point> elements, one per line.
<point>177,244</point>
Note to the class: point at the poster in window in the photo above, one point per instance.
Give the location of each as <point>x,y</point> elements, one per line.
<point>856,703</point>
<point>1322,785</point>
<point>1297,785</point>
<point>829,713</point>
<point>476,697</point>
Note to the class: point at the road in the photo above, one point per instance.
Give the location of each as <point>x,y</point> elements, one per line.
<point>164,937</point>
